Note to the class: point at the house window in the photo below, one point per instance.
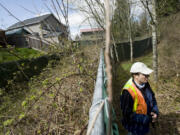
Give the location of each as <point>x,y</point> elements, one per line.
<point>44,35</point>
<point>35,34</point>
<point>46,27</point>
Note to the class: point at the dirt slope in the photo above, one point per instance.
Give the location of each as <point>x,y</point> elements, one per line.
<point>168,92</point>
<point>58,100</point>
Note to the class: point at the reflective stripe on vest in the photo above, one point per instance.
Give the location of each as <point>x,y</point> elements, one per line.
<point>141,107</point>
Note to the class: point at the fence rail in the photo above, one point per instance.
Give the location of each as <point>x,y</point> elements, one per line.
<point>99,119</point>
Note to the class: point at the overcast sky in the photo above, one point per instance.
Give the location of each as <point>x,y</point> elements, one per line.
<point>25,9</point>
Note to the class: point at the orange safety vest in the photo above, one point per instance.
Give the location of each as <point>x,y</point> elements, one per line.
<point>140,106</point>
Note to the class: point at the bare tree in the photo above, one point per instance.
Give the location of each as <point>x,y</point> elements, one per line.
<point>154,41</point>
<point>122,23</point>
<point>153,17</point>
<point>61,8</point>
<point>95,11</point>
<point>130,31</point>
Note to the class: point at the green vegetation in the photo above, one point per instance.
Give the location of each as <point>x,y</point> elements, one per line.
<point>147,59</point>
<point>57,99</point>
<point>13,54</point>
<point>167,96</point>
<point>122,75</point>
<point>167,7</point>
<point>51,102</point>
<point>167,93</point>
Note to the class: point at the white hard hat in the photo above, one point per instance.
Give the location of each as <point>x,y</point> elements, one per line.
<point>139,67</point>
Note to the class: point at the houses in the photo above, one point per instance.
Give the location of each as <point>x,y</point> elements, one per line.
<point>94,34</point>
<point>2,38</point>
<point>46,28</point>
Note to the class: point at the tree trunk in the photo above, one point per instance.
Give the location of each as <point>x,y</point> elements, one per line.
<point>108,67</point>
<point>130,32</point>
<point>154,41</point>
<point>131,46</point>
<point>115,48</point>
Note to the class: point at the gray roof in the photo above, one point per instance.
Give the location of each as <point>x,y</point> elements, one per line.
<point>16,31</point>
<point>29,21</point>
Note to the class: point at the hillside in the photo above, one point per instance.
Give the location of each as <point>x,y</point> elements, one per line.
<point>13,54</point>
<point>58,100</point>
<point>55,102</point>
<point>168,92</point>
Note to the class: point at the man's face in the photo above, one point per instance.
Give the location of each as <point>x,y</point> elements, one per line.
<point>141,78</point>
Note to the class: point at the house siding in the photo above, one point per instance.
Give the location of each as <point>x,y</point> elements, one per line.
<point>36,28</point>
<point>53,39</point>
<point>55,24</point>
<point>49,29</point>
<point>98,35</point>
<point>52,25</point>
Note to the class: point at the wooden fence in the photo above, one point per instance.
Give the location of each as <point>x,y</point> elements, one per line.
<point>2,38</point>
<point>37,43</point>
<point>28,41</point>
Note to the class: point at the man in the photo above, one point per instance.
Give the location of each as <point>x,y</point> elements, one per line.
<point>138,103</point>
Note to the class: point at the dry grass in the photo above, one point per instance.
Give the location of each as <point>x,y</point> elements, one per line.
<point>169,48</point>
<point>169,68</point>
<point>60,98</point>
<point>168,92</point>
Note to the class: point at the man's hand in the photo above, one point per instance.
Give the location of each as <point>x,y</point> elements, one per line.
<point>154,117</point>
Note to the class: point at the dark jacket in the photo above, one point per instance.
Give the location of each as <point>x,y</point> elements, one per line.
<point>138,124</point>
